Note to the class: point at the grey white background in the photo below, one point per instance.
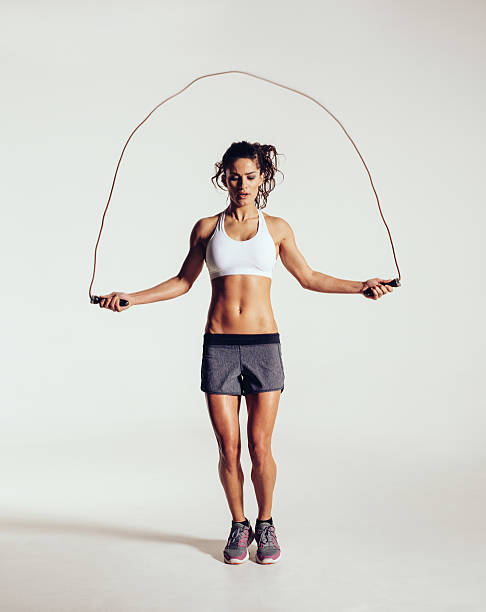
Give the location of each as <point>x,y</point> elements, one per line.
<point>110,498</point>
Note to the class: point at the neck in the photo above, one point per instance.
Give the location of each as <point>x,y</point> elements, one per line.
<point>242,213</point>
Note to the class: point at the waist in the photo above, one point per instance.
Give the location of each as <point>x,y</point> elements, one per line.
<point>272,338</point>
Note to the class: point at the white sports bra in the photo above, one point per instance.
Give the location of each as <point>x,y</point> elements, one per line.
<point>225,255</point>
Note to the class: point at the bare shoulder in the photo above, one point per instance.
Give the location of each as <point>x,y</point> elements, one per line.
<point>203,229</point>
<point>278,227</point>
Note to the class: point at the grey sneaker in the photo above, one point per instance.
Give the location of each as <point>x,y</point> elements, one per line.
<point>266,540</point>
<point>240,538</point>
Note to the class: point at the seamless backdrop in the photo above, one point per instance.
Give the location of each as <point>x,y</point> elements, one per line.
<point>110,498</point>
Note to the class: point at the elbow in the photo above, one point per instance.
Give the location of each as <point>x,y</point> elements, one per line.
<point>306,280</point>
<point>184,285</point>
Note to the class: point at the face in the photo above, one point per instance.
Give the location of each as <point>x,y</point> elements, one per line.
<point>243,177</point>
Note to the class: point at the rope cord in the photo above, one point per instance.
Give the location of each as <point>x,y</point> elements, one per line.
<point>268,81</point>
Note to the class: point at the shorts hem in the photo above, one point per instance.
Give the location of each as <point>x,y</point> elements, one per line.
<point>265,390</point>
<point>247,393</point>
<point>219,392</point>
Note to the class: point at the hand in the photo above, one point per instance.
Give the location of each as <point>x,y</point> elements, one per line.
<point>377,287</point>
<point>112,301</point>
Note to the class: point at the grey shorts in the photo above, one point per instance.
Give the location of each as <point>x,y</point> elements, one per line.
<point>238,364</point>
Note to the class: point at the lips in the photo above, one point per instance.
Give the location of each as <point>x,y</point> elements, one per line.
<point>243,194</point>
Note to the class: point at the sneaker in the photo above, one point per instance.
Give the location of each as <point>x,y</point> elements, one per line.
<point>240,538</point>
<point>266,540</point>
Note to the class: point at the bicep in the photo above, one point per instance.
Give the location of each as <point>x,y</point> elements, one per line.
<point>194,261</point>
<point>291,256</point>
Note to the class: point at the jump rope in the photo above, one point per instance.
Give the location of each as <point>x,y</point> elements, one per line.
<point>95,299</point>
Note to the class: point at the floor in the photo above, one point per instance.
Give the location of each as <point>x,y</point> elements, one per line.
<point>356,536</point>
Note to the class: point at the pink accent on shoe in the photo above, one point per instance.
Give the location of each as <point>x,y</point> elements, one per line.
<point>244,537</point>
<point>274,537</point>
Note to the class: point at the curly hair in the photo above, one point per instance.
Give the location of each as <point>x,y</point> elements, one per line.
<point>266,160</point>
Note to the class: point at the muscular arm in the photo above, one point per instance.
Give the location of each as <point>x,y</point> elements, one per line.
<point>183,281</point>
<point>310,279</point>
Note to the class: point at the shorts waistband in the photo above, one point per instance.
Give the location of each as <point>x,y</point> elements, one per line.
<point>241,338</point>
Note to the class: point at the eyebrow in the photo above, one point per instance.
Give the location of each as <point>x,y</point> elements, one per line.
<point>252,172</point>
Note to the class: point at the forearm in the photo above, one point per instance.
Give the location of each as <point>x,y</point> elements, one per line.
<point>329,284</point>
<point>169,289</point>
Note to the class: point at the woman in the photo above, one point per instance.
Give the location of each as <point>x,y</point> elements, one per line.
<point>241,346</point>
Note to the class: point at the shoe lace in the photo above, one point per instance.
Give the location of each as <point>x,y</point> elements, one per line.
<point>238,535</point>
<point>267,536</point>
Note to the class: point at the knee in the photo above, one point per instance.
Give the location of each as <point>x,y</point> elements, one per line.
<point>259,449</point>
<point>229,453</point>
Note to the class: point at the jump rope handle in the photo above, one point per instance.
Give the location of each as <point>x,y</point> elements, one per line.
<point>393,283</point>
<point>95,299</point>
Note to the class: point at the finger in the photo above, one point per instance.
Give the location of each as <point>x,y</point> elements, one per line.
<point>104,301</point>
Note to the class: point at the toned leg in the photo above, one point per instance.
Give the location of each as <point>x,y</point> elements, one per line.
<point>262,412</point>
<point>224,412</point>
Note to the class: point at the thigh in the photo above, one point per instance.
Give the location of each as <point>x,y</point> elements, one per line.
<point>224,412</point>
<point>262,413</point>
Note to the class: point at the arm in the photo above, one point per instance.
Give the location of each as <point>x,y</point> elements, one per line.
<point>310,279</point>
<point>183,281</point>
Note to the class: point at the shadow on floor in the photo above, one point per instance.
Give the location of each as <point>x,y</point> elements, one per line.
<point>214,548</point>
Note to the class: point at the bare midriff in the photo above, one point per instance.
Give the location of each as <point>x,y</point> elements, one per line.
<point>240,304</point>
